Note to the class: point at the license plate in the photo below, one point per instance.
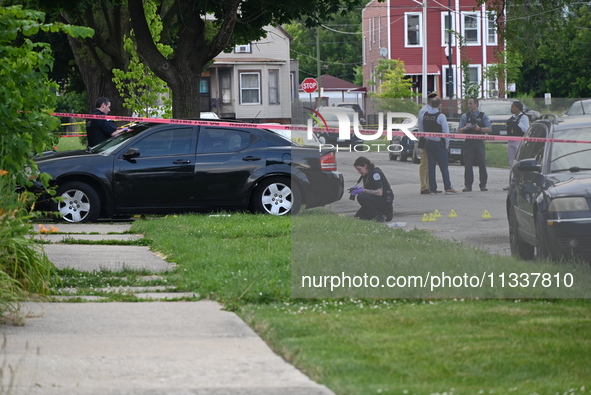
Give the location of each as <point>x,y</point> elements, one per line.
<point>455,151</point>
<point>503,132</point>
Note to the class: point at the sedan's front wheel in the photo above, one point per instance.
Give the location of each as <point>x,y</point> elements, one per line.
<point>518,246</point>
<point>277,196</point>
<point>80,202</point>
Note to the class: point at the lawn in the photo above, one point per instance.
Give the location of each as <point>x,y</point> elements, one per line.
<point>378,345</point>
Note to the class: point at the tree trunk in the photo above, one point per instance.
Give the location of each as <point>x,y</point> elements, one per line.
<point>96,70</point>
<point>185,94</point>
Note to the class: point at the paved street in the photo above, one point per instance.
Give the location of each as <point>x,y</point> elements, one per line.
<point>490,234</point>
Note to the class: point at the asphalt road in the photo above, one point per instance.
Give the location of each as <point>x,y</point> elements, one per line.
<point>410,207</point>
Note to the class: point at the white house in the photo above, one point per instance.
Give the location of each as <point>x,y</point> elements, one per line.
<point>256,82</point>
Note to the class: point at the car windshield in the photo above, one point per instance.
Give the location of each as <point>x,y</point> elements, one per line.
<point>498,108</point>
<point>580,108</point>
<point>109,145</point>
<point>332,117</point>
<point>571,156</point>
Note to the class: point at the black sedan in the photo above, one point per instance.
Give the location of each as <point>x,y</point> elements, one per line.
<point>174,168</point>
<point>548,204</point>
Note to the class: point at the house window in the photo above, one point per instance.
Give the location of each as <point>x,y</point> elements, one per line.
<point>250,88</point>
<point>470,30</point>
<point>292,85</point>
<point>491,28</point>
<point>244,48</point>
<point>413,30</point>
<point>446,73</point>
<point>447,24</point>
<point>492,83</point>
<point>273,86</point>
<point>473,83</point>
<point>226,86</point>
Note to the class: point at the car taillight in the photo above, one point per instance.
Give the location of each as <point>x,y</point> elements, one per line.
<point>328,162</point>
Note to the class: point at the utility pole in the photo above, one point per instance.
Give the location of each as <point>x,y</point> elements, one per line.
<point>318,67</point>
<point>450,84</point>
<point>424,43</point>
<point>424,52</point>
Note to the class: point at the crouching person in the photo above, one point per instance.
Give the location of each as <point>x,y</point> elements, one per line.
<point>376,196</point>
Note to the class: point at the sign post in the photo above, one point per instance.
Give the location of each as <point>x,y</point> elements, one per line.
<point>310,85</point>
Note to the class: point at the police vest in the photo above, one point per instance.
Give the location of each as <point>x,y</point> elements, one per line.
<point>513,128</point>
<point>474,120</point>
<point>430,124</point>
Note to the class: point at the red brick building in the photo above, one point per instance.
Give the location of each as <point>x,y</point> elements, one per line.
<point>396,29</point>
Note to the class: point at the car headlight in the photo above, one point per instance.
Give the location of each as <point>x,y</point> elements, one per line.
<point>569,204</point>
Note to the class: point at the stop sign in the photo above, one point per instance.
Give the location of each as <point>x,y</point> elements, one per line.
<point>309,85</point>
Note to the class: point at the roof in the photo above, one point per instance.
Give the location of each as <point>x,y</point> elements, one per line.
<point>331,83</point>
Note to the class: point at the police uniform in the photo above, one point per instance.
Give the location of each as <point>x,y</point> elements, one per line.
<point>372,206</point>
<point>516,126</point>
<point>434,122</point>
<point>474,151</point>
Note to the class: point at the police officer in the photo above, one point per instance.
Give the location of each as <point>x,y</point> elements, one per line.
<point>435,121</point>
<point>517,125</point>
<point>376,196</point>
<point>474,122</point>
<point>98,130</point>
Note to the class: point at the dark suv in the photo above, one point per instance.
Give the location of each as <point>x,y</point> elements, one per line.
<point>550,192</point>
<point>499,111</point>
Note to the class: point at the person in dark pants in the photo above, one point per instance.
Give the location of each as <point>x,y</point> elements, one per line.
<point>434,121</point>
<point>474,122</point>
<point>376,196</point>
<point>98,130</point>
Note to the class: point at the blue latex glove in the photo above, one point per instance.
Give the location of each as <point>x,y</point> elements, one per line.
<point>356,191</point>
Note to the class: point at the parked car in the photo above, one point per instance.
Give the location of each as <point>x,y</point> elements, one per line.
<point>499,111</point>
<point>333,122</point>
<point>410,148</point>
<point>355,107</point>
<point>580,107</point>
<point>300,137</point>
<point>550,192</point>
<point>172,168</point>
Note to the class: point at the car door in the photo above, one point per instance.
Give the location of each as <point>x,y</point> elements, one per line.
<point>161,177</point>
<point>529,183</point>
<point>224,165</point>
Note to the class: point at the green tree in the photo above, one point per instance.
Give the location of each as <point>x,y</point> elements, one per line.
<point>395,91</point>
<point>340,46</point>
<point>144,94</point>
<point>27,97</point>
<point>548,41</point>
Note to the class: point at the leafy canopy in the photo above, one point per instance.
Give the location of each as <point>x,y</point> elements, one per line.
<point>27,96</point>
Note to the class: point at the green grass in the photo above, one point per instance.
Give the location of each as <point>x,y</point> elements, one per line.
<point>496,154</point>
<point>375,345</point>
<point>69,144</point>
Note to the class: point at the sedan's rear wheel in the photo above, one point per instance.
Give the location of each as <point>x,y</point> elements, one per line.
<point>518,247</point>
<point>277,196</point>
<point>80,202</point>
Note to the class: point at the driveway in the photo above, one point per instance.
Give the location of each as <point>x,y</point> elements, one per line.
<point>411,208</point>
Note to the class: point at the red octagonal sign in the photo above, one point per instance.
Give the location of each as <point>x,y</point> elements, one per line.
<point>309,85</point>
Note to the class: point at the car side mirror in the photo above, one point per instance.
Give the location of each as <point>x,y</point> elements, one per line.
<point>528,165</point>
<point>131,153</point>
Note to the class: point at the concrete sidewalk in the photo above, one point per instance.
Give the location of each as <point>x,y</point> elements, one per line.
<point>139,348</point>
